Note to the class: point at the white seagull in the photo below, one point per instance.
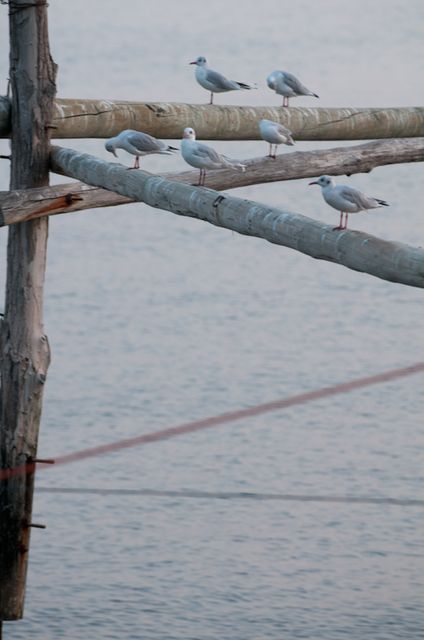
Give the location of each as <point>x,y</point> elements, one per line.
<point>203,157</point>
<point>213,81</point>
<point>138,144</point>
<point>274,133</point>
<point>288,86</point>
<point>346,199</point>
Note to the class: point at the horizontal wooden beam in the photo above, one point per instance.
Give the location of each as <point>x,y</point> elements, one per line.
<point>19,206</point>
<point>390,261</point>
<point>106,118</point>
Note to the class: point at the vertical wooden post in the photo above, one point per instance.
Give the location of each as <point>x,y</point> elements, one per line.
<point>24,349</point>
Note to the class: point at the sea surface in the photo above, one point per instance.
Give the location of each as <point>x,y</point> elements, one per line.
<point>155,320</point>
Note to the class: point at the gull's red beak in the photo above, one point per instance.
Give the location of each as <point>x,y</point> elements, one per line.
<point>193,62</point>
<point>312,183</point>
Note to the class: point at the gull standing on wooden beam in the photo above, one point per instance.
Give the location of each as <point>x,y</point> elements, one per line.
<point>215,82</point>
<point>138,144</point>
<point>201,156</point>
<point>288,86</point>
<point>274,133</point>
<point>346,199</point>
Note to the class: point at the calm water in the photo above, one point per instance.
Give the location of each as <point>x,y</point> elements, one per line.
<point>154,320</point>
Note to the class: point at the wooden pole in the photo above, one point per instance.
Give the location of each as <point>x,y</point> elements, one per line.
<point>24,349</point>
<point>391,261</point>
<point>105,118</point>
<point>18,206</point>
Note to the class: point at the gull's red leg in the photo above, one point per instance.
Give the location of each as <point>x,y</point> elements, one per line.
<point>340,223</point>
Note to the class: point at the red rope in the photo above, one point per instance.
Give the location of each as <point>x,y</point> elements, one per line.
<point>214,421</point>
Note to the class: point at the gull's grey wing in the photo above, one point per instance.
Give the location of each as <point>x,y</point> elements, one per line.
<point>144,142</point>
<point>220,81</point>
<point>354,196</point>
<point>205,152</point>
<point>283,130</point>
<point>292,82</point>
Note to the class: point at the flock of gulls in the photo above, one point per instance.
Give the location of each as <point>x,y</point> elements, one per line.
<point>343,198</point>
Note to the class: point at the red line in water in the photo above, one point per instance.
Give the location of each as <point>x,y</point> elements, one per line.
<point>214,421</point>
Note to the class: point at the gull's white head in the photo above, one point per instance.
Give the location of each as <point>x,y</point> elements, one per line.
<point>189,134</point>
<point>200,61</point>
<point>110,147</point>
<point>271,79</point>
<point>324,181</point>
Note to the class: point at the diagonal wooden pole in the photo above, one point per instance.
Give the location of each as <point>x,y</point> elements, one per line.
<point>24,349</point>
<point>392,261</point>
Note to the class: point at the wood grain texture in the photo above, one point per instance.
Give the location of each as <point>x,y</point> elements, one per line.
<point>24,348</point>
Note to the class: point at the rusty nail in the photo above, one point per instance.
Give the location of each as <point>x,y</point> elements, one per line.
<point>27,524</point>
<point>72,197</point>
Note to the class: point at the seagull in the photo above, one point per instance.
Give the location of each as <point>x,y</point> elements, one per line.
<point>288,86</point>
<point>203,157</point>
<point>137,143</point>
<point>275,134</point>
<point>215,82</point>
<point>346,199</point>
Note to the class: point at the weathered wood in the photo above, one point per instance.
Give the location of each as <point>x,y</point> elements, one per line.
<point>30,204</point>
<point>106,118</point>
<point>5,117</point>
<point>391,261</point>
<point>24,349</point>
<point>306,164</point>
<point>17,206</point>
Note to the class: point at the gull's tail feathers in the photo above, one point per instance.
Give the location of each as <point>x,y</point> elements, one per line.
<point>243,85</point>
